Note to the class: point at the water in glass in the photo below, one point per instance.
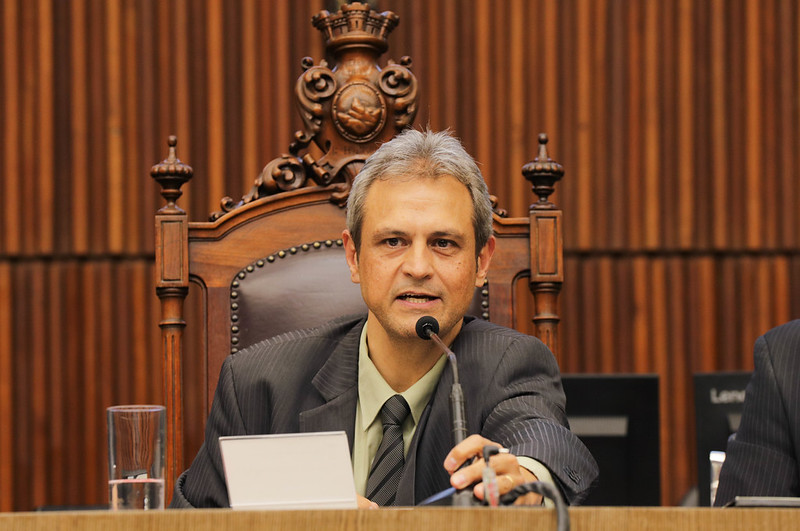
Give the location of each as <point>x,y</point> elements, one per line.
<point>147,493</point>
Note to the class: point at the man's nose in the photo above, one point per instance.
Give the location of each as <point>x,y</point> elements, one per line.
<point>417,262</point>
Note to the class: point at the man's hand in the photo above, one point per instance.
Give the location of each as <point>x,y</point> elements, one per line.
<point>364,503</point>
<point>505,465</point>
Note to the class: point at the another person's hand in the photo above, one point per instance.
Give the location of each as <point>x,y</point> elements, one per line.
<point>509,473</point>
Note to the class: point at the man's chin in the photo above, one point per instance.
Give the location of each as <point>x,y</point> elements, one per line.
<point>402,326</point>
<point>406,329</point>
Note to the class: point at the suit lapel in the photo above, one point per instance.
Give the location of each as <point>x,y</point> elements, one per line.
<point>337,383</point>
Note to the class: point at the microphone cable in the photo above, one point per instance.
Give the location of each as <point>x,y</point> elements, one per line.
<point>547,490</point>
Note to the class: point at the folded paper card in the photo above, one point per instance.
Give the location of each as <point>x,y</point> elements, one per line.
<point>289,471</point>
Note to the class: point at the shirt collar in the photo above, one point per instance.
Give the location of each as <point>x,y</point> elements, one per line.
<point>373,390</point>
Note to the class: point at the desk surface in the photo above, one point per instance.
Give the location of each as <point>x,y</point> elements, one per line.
<point>478,519</point>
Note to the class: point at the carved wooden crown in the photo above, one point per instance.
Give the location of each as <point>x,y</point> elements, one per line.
<point>355,24</point>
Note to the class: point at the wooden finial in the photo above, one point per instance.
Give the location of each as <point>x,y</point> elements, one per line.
<point>171,173</point>
<point>543,173</point>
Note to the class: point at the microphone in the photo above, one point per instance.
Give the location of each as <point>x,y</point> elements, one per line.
<point>428,328</point>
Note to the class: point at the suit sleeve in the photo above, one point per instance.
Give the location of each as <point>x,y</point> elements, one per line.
<point>759,460</point>
<point>203,484</point>
<point>529,417</point>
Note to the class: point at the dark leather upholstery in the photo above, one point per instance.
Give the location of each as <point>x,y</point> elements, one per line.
<point>271,295</point>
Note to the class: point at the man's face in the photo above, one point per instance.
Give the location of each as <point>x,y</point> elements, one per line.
<point>417,255</point>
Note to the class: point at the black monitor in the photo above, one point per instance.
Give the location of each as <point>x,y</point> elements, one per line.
<point>718,399</point>
<point>617,418</point>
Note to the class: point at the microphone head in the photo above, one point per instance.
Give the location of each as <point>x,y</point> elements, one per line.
<point>426,326</point>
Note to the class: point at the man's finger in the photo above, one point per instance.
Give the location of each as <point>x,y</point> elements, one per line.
<point>466,449</point>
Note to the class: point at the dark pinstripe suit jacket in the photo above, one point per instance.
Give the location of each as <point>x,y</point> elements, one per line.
<point>762,459</point>
<point>307,381</point>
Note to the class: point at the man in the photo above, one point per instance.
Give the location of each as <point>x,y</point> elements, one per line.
<point>418,241</point>
<point>762,458</point>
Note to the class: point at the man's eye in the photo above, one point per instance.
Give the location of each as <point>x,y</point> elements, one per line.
<point>443,244</point>
<point>392,242</point>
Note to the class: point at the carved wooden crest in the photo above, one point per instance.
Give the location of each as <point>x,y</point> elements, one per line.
<point>348,108</point>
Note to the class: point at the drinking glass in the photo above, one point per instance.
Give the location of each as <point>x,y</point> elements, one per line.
<point>136,442</point>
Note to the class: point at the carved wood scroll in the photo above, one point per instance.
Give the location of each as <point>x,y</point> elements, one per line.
<point>346,107</point>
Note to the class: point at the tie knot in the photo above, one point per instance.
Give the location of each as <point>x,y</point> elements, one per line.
<point>394,411</point>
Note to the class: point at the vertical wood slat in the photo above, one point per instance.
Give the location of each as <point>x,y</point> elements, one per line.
<point>36,386</point>
<point>74,432</point>
<point>633,165</point>
<point>597,107</point>
<point>132,189</point>
<point>97,144</point>
<point>182,113</point>
<point>249,90</point>
<point>53,379</point>
<point>79,128</point>
<point>45,139</point>
<point>754,130</point>
<point>582,170</point>
<point>93,382</point>
<point>10,148</point>
<point>685,152</point>
<point>27,105</point>
<point>216,103</point>
<point>617,116</point>
<point>113,125</point>
<point>651,128</point>
<point>516,148</point>
<point>719,145</point>
<point>484,83</point>
<point>788,135</point>
<point>21,407</point>
<point>7,421</point>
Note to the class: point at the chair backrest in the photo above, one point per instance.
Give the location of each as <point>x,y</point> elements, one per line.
<point>274,261</point>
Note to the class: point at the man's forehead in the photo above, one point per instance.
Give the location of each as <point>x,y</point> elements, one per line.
<point>408,183</point>
<point>394,212</point>
<point>415,188</point>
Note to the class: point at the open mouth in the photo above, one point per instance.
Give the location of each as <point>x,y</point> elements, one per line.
<point>417,298</point>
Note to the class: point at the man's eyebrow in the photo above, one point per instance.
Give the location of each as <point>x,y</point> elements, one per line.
<point>388,233</point>
<point>448,234</point>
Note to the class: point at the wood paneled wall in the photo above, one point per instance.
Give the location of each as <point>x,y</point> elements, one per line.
<point>676,121</point>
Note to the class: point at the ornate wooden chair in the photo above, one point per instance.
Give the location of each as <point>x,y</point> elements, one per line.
<point>274,260</point>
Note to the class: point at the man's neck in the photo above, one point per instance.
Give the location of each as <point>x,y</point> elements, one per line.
<point>401,361</point>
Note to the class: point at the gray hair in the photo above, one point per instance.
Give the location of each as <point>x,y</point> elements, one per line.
<point>425,154</point>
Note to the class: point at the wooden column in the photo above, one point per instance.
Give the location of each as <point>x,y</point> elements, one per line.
<point>172,286</point>
<point>547,246</point>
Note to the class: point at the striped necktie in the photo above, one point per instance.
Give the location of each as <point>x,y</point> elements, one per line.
<point>387,467</point>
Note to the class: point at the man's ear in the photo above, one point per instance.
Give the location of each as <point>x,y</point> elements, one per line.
<point>484,258</point>
<point>351,254</point>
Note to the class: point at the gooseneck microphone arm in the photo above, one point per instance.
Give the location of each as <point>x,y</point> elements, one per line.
<point>428,328</point>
